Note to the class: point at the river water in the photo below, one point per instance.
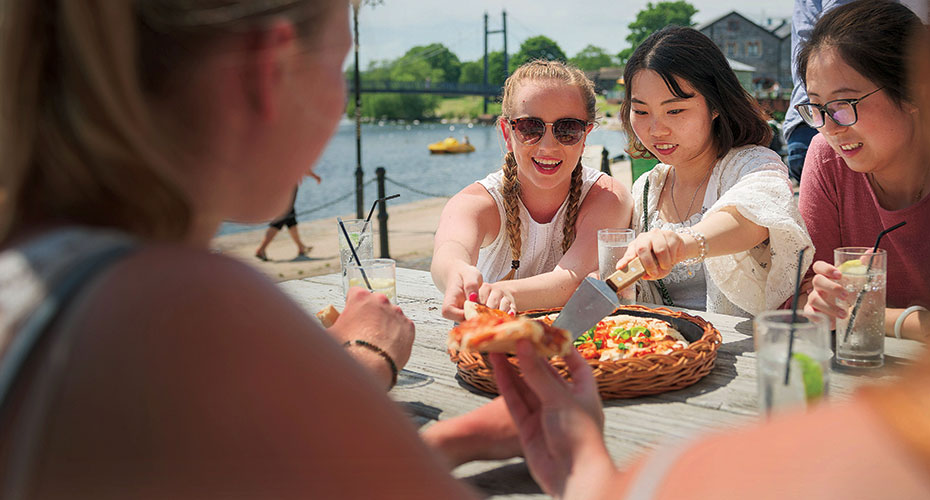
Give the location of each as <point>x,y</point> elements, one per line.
<point>402,150</point>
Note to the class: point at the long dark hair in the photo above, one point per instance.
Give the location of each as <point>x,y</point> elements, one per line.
<point>688,54</point>
<point>872,37</point>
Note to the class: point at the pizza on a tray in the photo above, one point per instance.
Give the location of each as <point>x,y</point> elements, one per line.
<point>612,339</point>
<point>624,336</point>
<point>492,330</point>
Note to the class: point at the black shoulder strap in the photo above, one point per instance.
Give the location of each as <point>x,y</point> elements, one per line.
<point>666,298</point>
<point>23,447</point>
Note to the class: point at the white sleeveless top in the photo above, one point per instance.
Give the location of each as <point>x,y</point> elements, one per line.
<point>541,243</point>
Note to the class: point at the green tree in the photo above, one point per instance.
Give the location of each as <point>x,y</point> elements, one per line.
<point>537,47</point>
<point>472,72</point>
<point>592,58</point>
<point>438,57</point>
<point>653,18</point>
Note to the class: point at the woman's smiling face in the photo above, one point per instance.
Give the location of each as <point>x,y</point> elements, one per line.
<point>675,130</point>
<point>547,163</point>
<point>884,130</point>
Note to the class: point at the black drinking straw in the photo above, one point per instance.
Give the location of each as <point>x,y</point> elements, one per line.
<point>794,313</point>
<point>375,204</point>
<point>354,253</point>
<point>855,311</point>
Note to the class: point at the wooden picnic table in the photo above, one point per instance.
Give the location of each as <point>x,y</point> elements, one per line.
<point>429,390</point>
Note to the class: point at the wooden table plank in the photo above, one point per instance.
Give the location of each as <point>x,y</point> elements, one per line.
<point>429,390</point>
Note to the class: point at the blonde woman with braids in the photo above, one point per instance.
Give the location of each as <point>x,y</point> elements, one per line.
<point>525,236</point>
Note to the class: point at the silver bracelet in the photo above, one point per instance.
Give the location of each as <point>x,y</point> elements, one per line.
<point>903,316</point>
<point>702,244</point>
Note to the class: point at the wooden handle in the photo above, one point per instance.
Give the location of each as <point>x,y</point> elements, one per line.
<point>626,276</point>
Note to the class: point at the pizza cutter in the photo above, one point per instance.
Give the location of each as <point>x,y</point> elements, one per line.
<point>594,299</point>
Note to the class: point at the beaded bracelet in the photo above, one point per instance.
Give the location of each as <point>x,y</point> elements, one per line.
<point>380,352</point>
<point>702,244</point>
<point>903,316</point>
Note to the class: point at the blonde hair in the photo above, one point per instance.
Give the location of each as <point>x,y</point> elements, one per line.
<point>77,135</point>
<point>541,70</point>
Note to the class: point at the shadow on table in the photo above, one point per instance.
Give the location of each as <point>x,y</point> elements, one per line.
<point>419,412</point>
<point>892,364</point>
<point>508,479</point>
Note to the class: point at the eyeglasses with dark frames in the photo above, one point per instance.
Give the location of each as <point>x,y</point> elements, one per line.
<point>843,112</point>
<point>568,131</point>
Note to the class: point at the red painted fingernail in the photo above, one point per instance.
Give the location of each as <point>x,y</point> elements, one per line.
<point>512,313</point>
<point>473,296</point>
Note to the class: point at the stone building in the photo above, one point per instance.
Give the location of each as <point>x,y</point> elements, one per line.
<point>766,48</point>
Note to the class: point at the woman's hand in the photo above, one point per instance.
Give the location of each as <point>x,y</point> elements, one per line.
<point>560,424</point>
<point>498,296</point>
<point>659,250</point>
<point>371,317</point>
<point>828,296</point>
<point>463,282</point>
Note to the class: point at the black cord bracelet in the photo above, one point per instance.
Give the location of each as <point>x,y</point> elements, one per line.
<point>380,352</point>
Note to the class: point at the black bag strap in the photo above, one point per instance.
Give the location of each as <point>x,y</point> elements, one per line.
<point>25,441</point>
<point>666,298</point>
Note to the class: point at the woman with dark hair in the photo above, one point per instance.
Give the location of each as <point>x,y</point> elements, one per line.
<point>867,169</point>
<point>718,226</point>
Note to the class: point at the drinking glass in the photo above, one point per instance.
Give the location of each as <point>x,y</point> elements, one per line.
<point>809,377</point>
<point>864,345</point>
<point>380,274</point>
<point>360,234</point>
<point>611,245</point>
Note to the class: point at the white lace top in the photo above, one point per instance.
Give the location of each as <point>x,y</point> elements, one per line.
<point>753,180</point>
<point>541,247</point>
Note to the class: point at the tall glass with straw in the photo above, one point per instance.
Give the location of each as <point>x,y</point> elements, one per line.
<point>792,355</point>
<point>860,336</point>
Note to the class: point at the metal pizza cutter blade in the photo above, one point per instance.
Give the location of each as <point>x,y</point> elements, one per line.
<point>595,299</point>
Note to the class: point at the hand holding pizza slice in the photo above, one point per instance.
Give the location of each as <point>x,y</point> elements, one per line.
<point>493,330</point>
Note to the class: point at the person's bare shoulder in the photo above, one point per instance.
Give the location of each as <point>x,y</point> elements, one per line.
<point>192,360</point>
<point>607,200</point>
<point>472,210</point>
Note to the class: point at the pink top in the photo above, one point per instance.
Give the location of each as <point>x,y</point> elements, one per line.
<point>841,210</point>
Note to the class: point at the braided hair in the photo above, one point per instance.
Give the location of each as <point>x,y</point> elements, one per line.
<point>536,71</point>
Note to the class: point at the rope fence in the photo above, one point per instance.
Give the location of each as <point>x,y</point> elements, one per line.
<point>301,214</point>
<point>415,190</point>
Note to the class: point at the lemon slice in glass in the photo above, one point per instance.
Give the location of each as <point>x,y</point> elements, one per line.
<point>811,375</point>
<point>853,267</point>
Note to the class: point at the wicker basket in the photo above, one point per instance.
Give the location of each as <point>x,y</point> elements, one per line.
<point>626,378</point>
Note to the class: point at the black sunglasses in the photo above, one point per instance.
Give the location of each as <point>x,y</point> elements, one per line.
<point>842,111</point>
<point>568,131</point>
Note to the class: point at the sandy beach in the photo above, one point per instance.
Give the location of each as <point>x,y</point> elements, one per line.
<point>411,227</point>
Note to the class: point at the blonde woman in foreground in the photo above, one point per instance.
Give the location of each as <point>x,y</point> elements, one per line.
<point>525,236</point>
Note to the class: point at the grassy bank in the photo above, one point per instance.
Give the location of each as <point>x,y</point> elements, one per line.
<point>465,107</point>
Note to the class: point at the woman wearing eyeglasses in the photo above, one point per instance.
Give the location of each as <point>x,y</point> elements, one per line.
<point>525,236</point>
<point>718,227</point>
<point>867,169</point>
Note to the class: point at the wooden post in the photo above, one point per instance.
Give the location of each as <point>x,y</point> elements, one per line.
<point>605,162</point>
<point>382,214</point>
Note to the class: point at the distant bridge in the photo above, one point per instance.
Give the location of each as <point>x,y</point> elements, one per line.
<point>445,88</point>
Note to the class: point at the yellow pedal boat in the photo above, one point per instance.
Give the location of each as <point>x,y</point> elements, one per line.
<point>450,145</point>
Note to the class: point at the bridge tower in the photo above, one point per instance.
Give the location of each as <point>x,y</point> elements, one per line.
<point>503,30</point>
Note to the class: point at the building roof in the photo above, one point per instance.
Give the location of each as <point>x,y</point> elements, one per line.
<point>781,31</point>
<point>738,66</point>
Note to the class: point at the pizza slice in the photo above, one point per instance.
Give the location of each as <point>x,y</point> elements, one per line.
<point>493,330</point>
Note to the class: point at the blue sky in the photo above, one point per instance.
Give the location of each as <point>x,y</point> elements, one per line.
<point>389,30</point>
